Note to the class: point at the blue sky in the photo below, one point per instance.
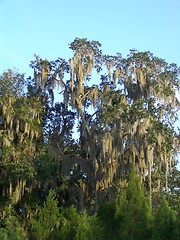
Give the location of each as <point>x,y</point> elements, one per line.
<point>42,27</point>
<point>47,27</point>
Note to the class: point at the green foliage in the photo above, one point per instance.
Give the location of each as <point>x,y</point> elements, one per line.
<point>131,123</point>
<point>12,83</point>
<point>165,223</point>
<point>107,216</point>
<point>77,226</point>
<point>130,216</point>
<point>46,219</point>
<point>3,234</point>
<point>14,234</point>
<point>13,227</point>
<point>134,213</point>
<point>173,196</point>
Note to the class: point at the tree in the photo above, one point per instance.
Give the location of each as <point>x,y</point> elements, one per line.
<point>130,216</point>
<point>107,216</point>
<point>173,195</point>
<point>77,226</point>
<point>47,218</point>
<point>13,227</point>
<point>124,121</point>
<point>20,133</point>
<point>133,112</point>
<point>133,211</point>
<point>165,226</point>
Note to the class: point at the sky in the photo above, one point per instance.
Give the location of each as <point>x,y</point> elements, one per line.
<point>42,27</point>
<point>45,28</point>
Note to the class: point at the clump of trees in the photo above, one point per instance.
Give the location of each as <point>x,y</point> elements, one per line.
<point>128,217</point>
<point>124,111</point>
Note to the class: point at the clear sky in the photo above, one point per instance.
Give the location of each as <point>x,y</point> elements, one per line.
<point>47,27</point>
<point>42,27</point>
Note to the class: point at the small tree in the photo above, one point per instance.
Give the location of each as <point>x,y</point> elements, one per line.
<point>133,211</point>
<point>165,224</point>
<point>77,226</point>
<point>47,218</point>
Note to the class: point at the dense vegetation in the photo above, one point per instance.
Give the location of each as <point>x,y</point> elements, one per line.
<point>97,160</point>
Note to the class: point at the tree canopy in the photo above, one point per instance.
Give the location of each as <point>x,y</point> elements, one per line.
<point>73,132</point>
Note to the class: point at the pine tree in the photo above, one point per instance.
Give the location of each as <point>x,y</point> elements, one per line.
<point>133,211</point>
<point>47,218</point>
<point>165,223</point>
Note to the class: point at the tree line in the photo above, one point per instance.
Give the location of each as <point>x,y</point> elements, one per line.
<point>124,111</point>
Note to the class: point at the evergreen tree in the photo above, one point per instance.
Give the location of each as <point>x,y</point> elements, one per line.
<point>47,218</point>
<point>133,211</point>
<point>107,216</point>
<point>77,226</point>
<point>130,216</point>
<point>165,223</point>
